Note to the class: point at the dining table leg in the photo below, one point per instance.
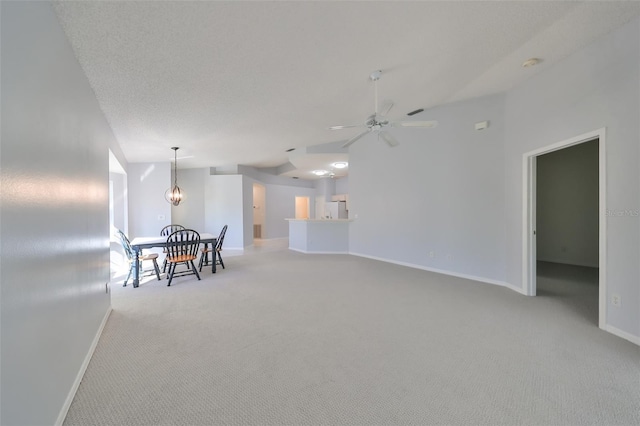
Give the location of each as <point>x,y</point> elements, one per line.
<point>213,255</point>
<point>136,267</point>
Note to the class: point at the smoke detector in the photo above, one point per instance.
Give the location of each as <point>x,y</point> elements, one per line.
<point>531,62</point>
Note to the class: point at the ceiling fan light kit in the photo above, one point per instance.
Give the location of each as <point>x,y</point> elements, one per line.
<point>173,195</point>
<point>376,121</point>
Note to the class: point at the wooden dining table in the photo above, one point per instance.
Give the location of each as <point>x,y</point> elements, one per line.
<point>139,243</point>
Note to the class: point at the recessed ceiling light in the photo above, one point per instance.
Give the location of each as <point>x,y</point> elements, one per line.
<point>531,62</point>
<point>320,172</point>
<point>340,164</point>
<point>290,149</point>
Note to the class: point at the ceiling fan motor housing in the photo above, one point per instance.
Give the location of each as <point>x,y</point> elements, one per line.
<point>371,121</point>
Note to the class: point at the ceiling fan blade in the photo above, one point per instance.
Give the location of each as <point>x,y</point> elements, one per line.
<point>425,124</point>
<point>390,140</point>
<point>386,108</point>
<point>345,127</point>
<point>355,138</point>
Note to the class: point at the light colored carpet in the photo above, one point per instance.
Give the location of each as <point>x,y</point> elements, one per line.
<point>284,338</point>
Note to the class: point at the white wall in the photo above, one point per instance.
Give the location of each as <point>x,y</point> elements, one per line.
<point>54,251</point>
<point>190,212</point>
<point>567,205</point>
<point>280,205</point>
<point>593,88</point>
<point>453,191</point>
<point>149,211</point>
<point>224,206</point>
<point>325,187</point>
<point>211,201</point>
<point>342,185</point>
<point>280,193</point>
<point>247,211</point>
<point>436,200</point>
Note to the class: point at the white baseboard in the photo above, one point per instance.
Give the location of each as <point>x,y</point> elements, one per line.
<point>613,330</point>
<point>515,288</point>
<point>443,271</point>
<point>74,388</point>
<point>623,334</point>
<point>318,252</point>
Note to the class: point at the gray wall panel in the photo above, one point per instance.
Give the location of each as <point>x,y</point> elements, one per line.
<point>437,199</point>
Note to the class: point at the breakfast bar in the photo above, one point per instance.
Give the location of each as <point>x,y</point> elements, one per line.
<point>319,235</point>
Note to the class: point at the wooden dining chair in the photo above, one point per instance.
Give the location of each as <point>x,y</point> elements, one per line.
<point>217,257</point>
<point>131,256</point>
<point>182,247</point>
<point>165,232</point>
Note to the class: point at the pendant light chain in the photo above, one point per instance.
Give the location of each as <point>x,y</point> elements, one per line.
<point>175,167</point>
<point>173,195</point>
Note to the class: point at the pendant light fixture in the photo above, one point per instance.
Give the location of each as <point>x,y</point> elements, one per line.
<point>173,195</point>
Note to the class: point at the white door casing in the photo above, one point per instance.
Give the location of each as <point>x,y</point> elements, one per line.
<point>529,216</point>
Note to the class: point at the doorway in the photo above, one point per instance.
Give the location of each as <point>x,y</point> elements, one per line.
<point>302,208</point>
<point>562,246</point>
<point>259,214</point>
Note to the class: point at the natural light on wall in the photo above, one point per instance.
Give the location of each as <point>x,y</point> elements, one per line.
<point>51,191</point>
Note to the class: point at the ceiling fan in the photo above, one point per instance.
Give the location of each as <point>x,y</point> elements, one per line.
<point>377,122</point>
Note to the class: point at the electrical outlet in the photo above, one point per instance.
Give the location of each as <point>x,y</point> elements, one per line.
<point>615,300</point>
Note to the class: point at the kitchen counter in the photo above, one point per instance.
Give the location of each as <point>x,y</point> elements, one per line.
<point>319,235</point>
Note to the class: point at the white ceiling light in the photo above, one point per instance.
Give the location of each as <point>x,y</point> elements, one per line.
<point>320,172</point>
<point>340,164</point>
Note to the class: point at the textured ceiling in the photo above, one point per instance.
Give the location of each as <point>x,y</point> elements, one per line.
<point>241,82</point>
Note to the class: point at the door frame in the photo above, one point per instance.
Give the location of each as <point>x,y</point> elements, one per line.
<point>529,185</point>
<point>259,206</point>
